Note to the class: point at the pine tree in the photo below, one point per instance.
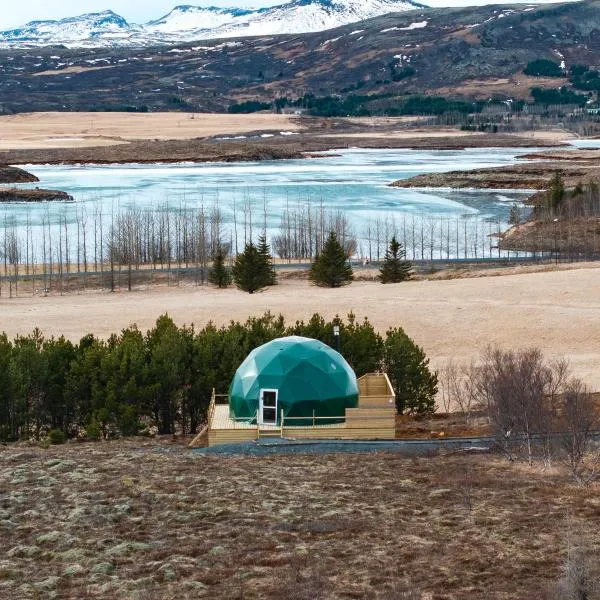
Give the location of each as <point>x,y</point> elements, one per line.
<point>264,249</point>
<point>219,274</point>
<point>331,268</point>
<point>395,266</point>
<point>556,193</point>
<point>248,271</point>
<point>407,366</point>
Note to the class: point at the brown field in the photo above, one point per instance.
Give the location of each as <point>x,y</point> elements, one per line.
<point>148,520</point>
<point>517,86</point>
<point>80,130</point>
<point>558,311</point>
<point>407,134</point>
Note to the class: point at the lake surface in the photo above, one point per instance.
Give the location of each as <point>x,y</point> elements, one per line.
<point>352,181</point>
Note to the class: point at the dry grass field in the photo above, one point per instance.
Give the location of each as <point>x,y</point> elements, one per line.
<point>556,310</point>
<point>148,521</point>
<point>80,130</point>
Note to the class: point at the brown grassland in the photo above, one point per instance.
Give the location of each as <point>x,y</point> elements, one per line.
<point>150,520</point>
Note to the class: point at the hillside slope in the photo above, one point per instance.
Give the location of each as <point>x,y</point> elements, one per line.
<point>474,52</point>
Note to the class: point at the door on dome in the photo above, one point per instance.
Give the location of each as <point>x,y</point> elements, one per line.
<point>268,407</point>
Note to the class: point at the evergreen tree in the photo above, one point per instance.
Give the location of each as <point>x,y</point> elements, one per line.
<point>556,193</point>
<point>331,268</point>
<point>407,367</point>
<point>219,274</point>
<point>395,266</point>
<point>264,249</point>
<point>249,272</point>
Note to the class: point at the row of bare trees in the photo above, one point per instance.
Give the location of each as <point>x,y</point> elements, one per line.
<point>304,226</point>
<point>90,244</point>
<point>536,409</point>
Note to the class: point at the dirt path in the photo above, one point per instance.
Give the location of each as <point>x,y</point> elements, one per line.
<point>557,311</point>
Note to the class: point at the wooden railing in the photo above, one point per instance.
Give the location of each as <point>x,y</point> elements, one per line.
<point>211,409</point>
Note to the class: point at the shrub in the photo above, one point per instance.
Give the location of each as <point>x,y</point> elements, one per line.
<point>57,436</point>
<point>543,67</point>
<point>557,96</point>
<point>93,432</point>
<point>250,106</point>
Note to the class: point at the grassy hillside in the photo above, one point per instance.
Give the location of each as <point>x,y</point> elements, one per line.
<point>473,52</point>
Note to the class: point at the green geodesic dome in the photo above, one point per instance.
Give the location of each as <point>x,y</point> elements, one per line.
<point>307,374</point>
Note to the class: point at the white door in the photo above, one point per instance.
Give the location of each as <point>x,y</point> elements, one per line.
<point>268,407</point>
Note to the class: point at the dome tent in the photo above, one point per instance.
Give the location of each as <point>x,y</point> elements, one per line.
<point>298,375</point>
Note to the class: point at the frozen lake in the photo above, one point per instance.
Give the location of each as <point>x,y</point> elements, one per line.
<point>352,181</point>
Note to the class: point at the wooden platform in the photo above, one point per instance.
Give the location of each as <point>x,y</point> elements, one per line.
<point>374,419</point>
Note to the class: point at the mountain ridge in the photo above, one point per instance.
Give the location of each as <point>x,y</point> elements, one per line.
<point>469,53</point>
<point>190,22</point>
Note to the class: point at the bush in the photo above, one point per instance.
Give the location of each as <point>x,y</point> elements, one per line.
<point>557,96</point>
<point>250,106</point>
<point>543,68</point>
<point>93,432</point>
<point>57,436</point>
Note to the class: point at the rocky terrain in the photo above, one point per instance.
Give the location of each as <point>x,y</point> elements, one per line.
<point>470,52</point>
<point>15,175</point>
<point>534,173</point>
<point>148,519</point>
<point>8,194</point>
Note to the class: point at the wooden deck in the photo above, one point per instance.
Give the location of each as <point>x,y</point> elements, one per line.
<point>374,419</point>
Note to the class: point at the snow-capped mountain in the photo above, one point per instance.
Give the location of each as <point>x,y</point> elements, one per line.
<point>104,27</point>
<point>184,19</point>
<point>188,23</point>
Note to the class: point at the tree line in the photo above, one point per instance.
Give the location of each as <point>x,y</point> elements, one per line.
<point>164,378</point>
<point>92,246</point>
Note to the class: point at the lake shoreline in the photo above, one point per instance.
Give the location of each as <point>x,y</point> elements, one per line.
<point>215,150</point>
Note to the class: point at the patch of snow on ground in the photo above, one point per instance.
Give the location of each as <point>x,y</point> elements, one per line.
<point>356,32</point>
<point>417,25</point>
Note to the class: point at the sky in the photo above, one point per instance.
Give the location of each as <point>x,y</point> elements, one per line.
<point>138,11</point>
